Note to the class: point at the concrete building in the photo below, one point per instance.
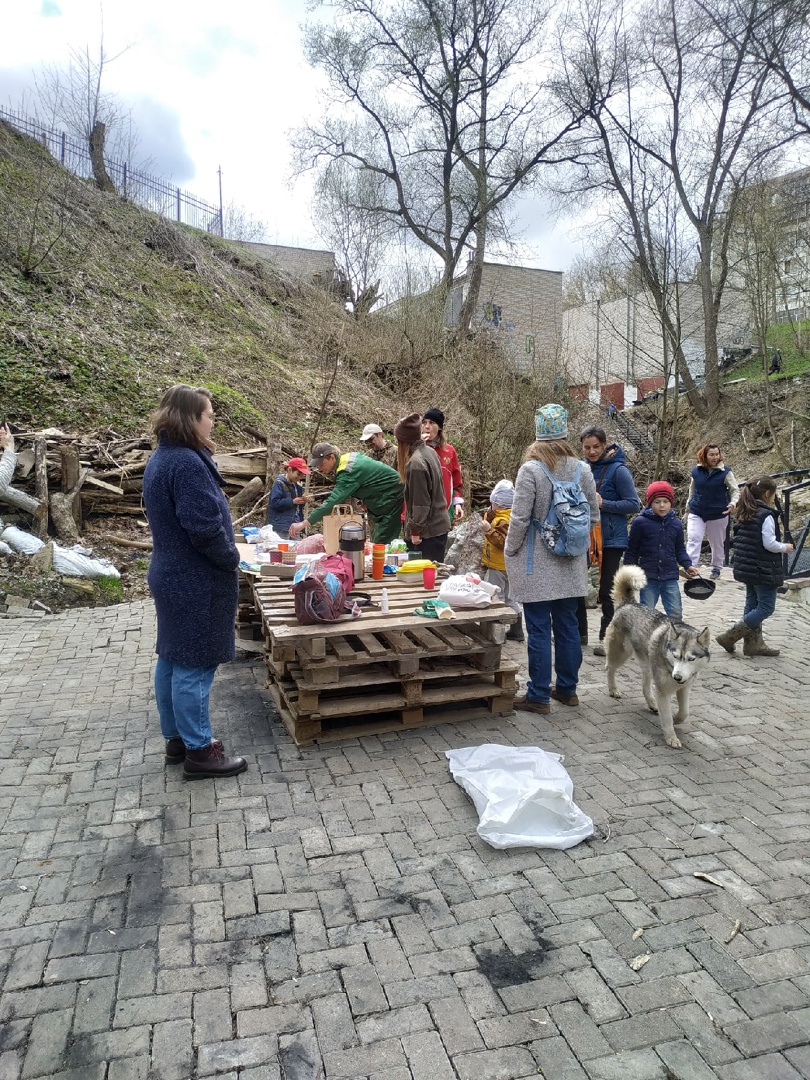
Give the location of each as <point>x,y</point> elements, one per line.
<point>615,351</point>
<point>305,264</point>
<point>520,306</point>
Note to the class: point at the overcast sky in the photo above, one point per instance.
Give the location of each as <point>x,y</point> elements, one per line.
<point>210,84</point>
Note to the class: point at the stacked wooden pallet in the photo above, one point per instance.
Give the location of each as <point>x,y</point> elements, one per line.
<point>381,672</point>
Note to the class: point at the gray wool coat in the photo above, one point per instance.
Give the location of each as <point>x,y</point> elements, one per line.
<point>554,577</point>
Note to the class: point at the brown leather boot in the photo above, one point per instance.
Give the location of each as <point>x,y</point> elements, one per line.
<point>730,637</point>
<point>754,644</point>
<point>211,762</point>
<point>176,750</point>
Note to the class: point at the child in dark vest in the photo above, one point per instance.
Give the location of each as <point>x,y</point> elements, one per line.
<point>758,552</point>
<point>656,545</point>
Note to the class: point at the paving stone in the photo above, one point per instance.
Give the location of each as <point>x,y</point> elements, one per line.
<point>683,1060</point>
<point>556,1061</point>
<point>628,1065</point>
<point>365,1060</point>
<point>767,1033</point>
<point>172,1054</point>
<point>579,1031</point>
<point>237,1055</point>
<point>504,1064</point>
<point>765,1067</point>
<point>455,1025</point>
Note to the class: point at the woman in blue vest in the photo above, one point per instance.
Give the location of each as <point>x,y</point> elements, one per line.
<point>617,497</point>
<point>713,494</point>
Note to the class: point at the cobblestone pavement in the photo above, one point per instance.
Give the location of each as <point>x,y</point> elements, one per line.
<point>332,912</point>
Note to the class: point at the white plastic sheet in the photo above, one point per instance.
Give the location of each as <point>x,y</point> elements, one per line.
<point>523,795</point>
<point>72,562</point>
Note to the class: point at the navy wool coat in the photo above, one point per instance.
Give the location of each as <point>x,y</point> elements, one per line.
<point>192,573</point>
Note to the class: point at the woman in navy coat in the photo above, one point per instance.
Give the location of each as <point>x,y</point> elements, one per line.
<point>192,577</point>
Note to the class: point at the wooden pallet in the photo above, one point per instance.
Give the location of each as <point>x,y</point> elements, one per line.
<point>382,672</point>
<point>376,711</point>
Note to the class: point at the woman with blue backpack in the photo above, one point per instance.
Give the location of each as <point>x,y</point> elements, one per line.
<point>546,557</point>
<point>617,497</point>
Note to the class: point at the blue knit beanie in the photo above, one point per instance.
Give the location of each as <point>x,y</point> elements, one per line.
<point>550,422</point>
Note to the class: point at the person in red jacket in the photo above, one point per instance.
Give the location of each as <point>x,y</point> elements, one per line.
<point>433,435</point>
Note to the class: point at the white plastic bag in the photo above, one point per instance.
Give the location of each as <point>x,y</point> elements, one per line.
<point>73,562</point>
<point>22,541</point>
<point>467,591</point>
<point>269,535</point>
<point>523,795</point>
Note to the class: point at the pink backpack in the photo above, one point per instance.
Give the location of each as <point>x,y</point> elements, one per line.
<point>320,590</point>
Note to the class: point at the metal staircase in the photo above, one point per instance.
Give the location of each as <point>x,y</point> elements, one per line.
<point>633,433</point>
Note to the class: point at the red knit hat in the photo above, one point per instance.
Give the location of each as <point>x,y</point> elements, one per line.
<point>660,489</point>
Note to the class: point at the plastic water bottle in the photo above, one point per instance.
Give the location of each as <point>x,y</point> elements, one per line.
<point>384,602</point>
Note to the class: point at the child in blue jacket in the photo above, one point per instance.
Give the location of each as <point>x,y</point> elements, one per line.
<point>287,499</point>
<point>656,545</point>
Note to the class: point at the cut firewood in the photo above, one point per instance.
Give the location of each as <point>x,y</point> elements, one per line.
<point>124,541</point>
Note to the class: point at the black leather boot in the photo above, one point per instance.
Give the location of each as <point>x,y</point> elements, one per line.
<point>176,750</point>
<point>211,762</point>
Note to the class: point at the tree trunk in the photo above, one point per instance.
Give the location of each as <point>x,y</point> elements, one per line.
<point>20,500</point>
<point>41,483</point>
<point>96,142</point>
<point>475,270</point>
<point>249,494</point>
<point>712,371</point>
<point>70,475</point>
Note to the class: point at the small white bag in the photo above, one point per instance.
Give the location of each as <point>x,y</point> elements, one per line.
<point>467,591</point>
<point>523,795</point>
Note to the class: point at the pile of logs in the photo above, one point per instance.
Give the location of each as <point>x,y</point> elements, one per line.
<point>62,478</point>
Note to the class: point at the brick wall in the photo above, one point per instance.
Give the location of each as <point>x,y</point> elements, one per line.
<point>630,339</point>
<point>305,264</point>
<point>523,307</point>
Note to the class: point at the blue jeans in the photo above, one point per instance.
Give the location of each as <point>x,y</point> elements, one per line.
<point>540,617</point>
<point>760,602</point>
<point>182,694</point>
<point>669,593</point>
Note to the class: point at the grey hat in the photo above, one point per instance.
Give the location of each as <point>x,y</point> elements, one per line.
<point>319,452</point>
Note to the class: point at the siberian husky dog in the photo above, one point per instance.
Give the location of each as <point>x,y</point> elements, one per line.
<point>671,654</point>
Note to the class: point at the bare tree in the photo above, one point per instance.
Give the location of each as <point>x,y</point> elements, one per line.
<point>345,217</point>
<point>685,110</point>
<point>73,95</point>
<point>430,101</point>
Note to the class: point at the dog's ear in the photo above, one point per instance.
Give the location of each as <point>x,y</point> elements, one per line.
<point>704,638</point>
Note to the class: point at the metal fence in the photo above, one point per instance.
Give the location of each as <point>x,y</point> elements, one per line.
<point>151,192</point>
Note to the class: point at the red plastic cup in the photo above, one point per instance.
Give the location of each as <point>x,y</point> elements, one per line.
<point>429,577</point>
<point>283,547</point>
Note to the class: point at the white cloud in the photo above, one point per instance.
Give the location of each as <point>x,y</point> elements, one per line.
<point>210,85</point>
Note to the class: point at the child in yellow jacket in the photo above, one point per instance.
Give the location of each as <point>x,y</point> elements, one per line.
<point>496,525</point>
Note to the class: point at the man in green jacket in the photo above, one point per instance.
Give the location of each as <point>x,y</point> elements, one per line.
<point>374,483</point>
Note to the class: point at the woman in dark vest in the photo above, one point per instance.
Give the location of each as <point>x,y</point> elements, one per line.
<point>192,577</point>
<point>713,494</point>
<point>758,554</point>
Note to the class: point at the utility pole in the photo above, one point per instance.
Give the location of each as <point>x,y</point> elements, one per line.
<point>221,215</point>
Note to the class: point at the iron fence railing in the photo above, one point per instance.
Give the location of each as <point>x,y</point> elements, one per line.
<point>151,192</point>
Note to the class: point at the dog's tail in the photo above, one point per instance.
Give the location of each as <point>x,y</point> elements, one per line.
<point>627,584</point>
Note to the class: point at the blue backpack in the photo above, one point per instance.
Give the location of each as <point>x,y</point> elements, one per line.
<point>567,528</point>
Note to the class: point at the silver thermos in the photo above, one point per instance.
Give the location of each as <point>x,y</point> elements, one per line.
<point>352,542</point>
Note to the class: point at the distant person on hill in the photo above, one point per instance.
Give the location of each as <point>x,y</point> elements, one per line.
<point>374,483</point>
<point>776,363</point>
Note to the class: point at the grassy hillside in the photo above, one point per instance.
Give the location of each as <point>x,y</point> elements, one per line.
<point>102,305</point>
